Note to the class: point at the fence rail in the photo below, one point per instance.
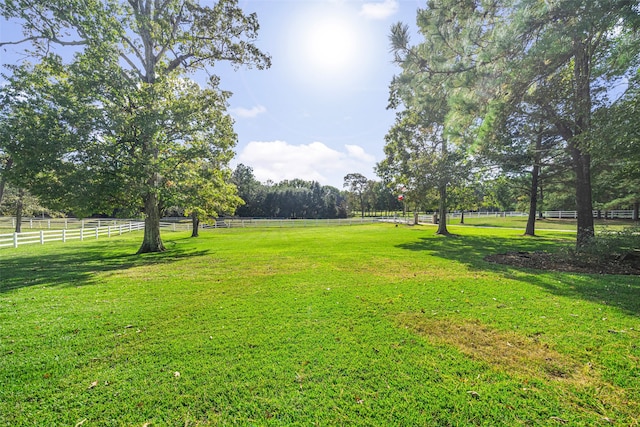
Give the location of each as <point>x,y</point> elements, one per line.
<point>64,234</point>
<point>612,214</point>
<point>286,222</point>
<point>62,223</point>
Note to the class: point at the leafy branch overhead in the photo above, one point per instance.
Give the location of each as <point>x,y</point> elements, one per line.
<point>176,34</point>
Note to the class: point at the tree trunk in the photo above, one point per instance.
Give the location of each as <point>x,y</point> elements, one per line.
<point>462,216</point>
<point>152,241</point>
<point>3,180</point>
<point>533,203</point>
<point>442,190</point>
<point>584,204</point>
<point>19,210</point>
<point>533,195</point>
<point>442,211</point>
<point>636,208</point>
<point>195,224</point>
<point>581,159</point>
<point>540,200</point>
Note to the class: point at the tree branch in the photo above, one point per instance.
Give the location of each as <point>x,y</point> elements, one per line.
<point>133,47</point>
<point>176,25</point>
<point>51,39</point>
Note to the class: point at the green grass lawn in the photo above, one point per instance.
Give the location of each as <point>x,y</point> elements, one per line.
<point>362,325</point>
<point>544,224</point>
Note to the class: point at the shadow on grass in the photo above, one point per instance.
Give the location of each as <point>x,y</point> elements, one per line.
<point>614,290</point>
<point>471,250</point>
<point>78,266</point>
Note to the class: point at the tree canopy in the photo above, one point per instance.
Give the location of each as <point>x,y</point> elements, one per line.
<point>136,124</point>
<point>485,69</point>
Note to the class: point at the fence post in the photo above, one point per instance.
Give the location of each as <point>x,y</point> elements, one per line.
<point>42,237</point>
<point>15,240</point>
<point>129,226</point>
<point>64,235</point>
<point>108,231</point>
<point>49,224</point>
<point>65,223</point>
<point>82,233</point>
<point>97,230</point>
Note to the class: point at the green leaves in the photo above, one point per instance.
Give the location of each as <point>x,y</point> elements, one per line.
<point>126,119</point>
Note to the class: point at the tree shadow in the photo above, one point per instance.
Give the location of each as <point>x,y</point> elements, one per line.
<point>614,290</point>
<point>79,266</point>
<point>471,250</point>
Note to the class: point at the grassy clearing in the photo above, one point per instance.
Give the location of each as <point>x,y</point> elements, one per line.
<point>517,222</point>
<point>544,224</point>
<point>363,325</point>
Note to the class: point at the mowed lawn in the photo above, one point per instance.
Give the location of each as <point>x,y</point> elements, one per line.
<point>371,325</point>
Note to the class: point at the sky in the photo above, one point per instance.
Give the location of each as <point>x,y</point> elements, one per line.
<point>319,112</point>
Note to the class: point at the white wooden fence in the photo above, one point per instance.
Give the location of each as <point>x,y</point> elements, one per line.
<point>62,235</point>
<point>61,223</point>
<point>287,222</point>
<point>612,214</point>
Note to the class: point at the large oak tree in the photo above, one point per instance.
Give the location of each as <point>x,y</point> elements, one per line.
<point>139,113</point>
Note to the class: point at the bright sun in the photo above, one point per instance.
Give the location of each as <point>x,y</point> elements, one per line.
<point>331,45</point>
<point>327,47</point>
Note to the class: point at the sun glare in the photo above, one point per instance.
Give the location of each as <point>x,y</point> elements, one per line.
<point>330,45</point>
<point>327,47</point>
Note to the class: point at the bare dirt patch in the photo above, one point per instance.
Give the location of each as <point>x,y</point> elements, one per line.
<point>527,357</point>
<point>626,265</point>
<point>509,351</point>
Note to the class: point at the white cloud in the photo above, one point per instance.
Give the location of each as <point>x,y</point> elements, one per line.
<point>379,10</point>
<point>248,113</point>
<point>279,160</point>
<point>357,152</point>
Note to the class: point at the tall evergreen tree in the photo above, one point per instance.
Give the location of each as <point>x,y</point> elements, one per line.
<point>482,56</point>
<point>577,45</point>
